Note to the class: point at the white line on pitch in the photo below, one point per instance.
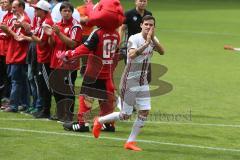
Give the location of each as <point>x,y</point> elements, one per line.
<point>150,122</point>
<point>122,139</point>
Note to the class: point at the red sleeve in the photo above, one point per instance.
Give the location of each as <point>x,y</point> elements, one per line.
<point>76,33</point>
<point>78,52</point>
<point>3,36</point>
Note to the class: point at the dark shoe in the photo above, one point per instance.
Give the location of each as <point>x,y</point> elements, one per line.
<point>5,101</point>
<point>108,127</point>
<point>33,111</point>
<point>54,118</point>
<point>22,108</point>
<point>75,126</point>
<point>41,114</point>
<point>9,109</point>
<point>30,110</point>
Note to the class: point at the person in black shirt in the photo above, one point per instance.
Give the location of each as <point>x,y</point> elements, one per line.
<point>131,26</point>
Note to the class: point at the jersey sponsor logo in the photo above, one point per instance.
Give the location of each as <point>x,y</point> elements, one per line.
<point>66,30</point>
<point>135,18</point>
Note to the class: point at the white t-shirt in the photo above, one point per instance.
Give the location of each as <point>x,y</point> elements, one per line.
<point>56,15</point>
<point>138,67</point>
<point>2,13</point>
<point>30,11</point>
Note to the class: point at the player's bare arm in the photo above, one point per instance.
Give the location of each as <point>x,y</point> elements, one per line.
<point>158,47</point>
<point>22,37</point>
<point>133,53</point>
<point>8,31</point>
<point>122,30</point>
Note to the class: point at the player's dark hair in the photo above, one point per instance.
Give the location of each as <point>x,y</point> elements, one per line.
<point>21,3</point>
<point>148,17</point>
<point>66,4</point>
<point>10,1</point>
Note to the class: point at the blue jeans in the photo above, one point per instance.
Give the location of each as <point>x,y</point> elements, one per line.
<point>20,89</point>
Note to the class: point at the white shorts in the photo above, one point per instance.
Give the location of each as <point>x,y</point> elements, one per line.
<point>138,97</point>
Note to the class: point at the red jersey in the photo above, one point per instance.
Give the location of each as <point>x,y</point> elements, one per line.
<point>103,44</point>
<point>35,24</point>
<point>17,51</point>
<point>3,37</point>
<point>71,29</point>
<point>43,48</point>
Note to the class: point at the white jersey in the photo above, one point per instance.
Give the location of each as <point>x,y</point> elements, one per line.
<point>57,17</point>
<point>137,67</point>
<point>134,86</point>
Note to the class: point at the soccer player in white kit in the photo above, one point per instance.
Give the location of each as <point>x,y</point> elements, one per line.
<point>134,86</point>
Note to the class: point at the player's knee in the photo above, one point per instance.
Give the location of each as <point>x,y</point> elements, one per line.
<point>143,113</point>
<point>124,116</point>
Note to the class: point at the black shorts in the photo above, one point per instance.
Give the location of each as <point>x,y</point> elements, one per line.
<point>97,89</point>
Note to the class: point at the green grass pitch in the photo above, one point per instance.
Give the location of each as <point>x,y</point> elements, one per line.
<point>198,120</point>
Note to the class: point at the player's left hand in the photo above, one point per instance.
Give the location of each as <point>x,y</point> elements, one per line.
<point>153,33</point>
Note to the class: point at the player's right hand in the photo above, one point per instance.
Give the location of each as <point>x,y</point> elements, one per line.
<point>149,36</point>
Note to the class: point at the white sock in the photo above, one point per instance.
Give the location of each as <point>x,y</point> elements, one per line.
<point>137,125</point>
<point>109,118</point>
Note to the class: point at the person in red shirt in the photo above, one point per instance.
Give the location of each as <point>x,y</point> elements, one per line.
<point>101,48</point>
<point>16,56</point>
<point>42,9</point>
<point>66,35</point>
<point>4,80</point>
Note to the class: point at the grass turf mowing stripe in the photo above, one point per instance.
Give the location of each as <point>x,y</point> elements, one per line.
<point>199,32</point>
<point>150,122</point>
<point>122,139</point>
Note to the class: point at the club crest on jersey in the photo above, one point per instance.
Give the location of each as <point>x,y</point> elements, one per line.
<point>135,18</point>
<point>66,30</point>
